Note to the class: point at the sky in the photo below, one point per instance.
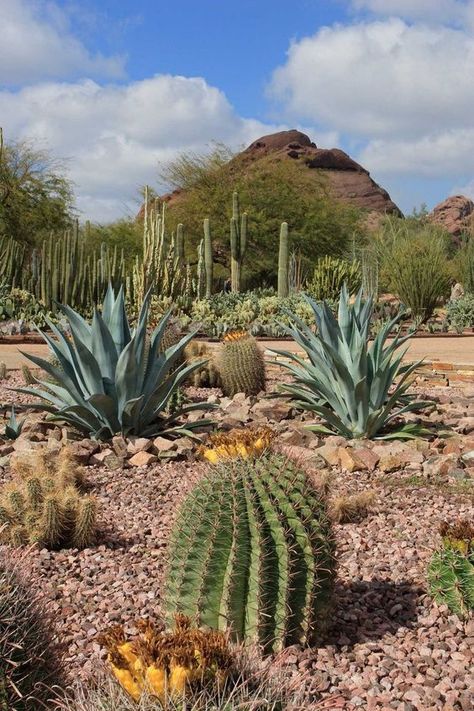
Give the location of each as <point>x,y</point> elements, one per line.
<point>117,87</point>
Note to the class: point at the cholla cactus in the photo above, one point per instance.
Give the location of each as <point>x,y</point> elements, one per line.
<point>239,443</point>
<point>241,364</point>
<point>43,505</point>
<point>252,553</point>
<point>451,570</point>
<point>167,664</point>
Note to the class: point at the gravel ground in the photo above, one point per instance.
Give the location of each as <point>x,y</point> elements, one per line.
<point>390,646</point>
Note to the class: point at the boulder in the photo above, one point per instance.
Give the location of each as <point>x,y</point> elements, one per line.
<point>454,214</point>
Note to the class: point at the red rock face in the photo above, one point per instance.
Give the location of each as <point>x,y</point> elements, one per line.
<point>454,214</point>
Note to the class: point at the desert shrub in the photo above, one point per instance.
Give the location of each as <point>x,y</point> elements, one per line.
<point>463,265</point>
<point>329,276</point>
<point>30,657</point>
<point>113,380</point>
<point>415,266</point>
<point>243,511</point>
<point>358,388</point>
<point>460,312</point>
<point>351,508</point>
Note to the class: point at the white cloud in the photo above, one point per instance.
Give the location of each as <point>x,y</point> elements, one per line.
<point>380,78</point>
<point>114,135</point>
<point>36,43</point>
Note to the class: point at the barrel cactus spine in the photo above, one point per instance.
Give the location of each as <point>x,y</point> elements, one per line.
<point>252,553</point>
<point>451,569</point>
<point>241,364</point>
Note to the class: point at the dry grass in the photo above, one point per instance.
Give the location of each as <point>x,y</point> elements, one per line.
<point>351,508</point>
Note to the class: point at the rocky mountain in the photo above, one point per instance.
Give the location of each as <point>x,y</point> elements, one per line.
<point>347,180</point>
<point>454,214</point>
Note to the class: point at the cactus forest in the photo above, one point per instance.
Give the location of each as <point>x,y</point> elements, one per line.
<point>237,425</point>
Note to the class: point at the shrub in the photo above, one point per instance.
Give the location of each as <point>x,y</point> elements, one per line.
<point>241,365</point>
<point>111,380</point>
<point>415,265</point>
<point>252,552</point>
<point>451,570</point>
<point>30,658</point>
<point>43,505</point>
<point>347,381</point>
<point>460,313</point>
<point>351,508</point>
<point>329,276</point>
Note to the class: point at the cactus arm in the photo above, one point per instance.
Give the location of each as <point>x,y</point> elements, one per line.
<point>208,261</point>
<point>283,261</point>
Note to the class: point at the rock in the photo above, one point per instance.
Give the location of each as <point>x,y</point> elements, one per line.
<point>368,457</point>
<point>161,444</point>
<point>6,449</point>
<point>119,445</point>
<point>139,444</point>
<point>441,465</point>
<point>453,214</point>
<point>330,454</point>
<point>99,457</point>
<point>84,449</point>
<point>349,459</point>
<point>142,459</point>
<point>272,410</point>
<point>184,445</point>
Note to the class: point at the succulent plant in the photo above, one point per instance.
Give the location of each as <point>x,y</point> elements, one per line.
<point>30,657</point>
<point>330,275</point>
<point>241,364</point>
<point>252,553</point>
<point>43,505</point>
<point>3,371</point>
<point>451,570</point>
<point>167,665</point>
<point>357,388</point>
<point>238,443</point>
<point>14,427</point>
<point>207,375</point>
<point>112,380</point>
<point>28,377</point>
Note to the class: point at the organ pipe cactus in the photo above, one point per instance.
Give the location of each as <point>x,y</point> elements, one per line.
<point>357,388</point>
<point>208,260</point>
<point>251,552</point>
<point>112,380</point>
<point>238,242</point>
<point>283,262</point>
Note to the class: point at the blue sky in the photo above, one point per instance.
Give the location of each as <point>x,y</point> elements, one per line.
<point>115,87</point>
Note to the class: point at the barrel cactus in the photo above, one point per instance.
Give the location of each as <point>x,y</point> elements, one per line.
<point>451,570</point>
<point>30,658</point>
<point>252,553</point>
<point>241,443</point>
<point>241,364</point>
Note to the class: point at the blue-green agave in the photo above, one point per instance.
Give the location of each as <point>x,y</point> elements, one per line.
<point>14,427</point>
<point>114,380</point>
<point>358,388</point>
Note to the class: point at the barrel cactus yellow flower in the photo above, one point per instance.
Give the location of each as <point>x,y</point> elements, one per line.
<point>238,443</point>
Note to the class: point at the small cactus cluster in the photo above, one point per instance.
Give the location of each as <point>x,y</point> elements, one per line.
<point>451,570</point>
<point>252,553</point>
<point>164,664</point>
<point>3,371</point>
<point>241,364</point>
<point>43,504</point>
<point>238,443</point>
<point>28,376</point>
<point>207,376</point>
<point>30,658</point>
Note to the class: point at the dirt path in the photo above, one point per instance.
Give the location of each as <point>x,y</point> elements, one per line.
<point>458,350</point>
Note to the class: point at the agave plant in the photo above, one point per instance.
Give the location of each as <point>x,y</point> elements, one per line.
<point>110,379</point>
<point>14,427</point>
<point>357,388</point>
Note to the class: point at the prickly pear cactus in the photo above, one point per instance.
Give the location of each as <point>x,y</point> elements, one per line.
<point>241,365</point>
<point>252,553</point>
<point>451,570</point>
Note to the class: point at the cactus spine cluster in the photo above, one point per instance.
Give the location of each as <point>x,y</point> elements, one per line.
<point>238,242</point>
<point>241,365</point>
<point>166,665</point>
<point>283,280</point>
<point>251,552</point>
<point>208,375</point>
<point>43,505</point>
<point>451,570</point>
<point>30,658</point>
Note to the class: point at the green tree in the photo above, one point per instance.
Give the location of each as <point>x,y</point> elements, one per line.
<point>270,191</point>
<point>35,196</point>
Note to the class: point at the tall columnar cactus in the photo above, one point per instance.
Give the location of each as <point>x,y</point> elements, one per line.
<point>238,242</point>
<point>241,364</point>
<point>252,552</point>
<point>208,260</point>
<point>30,658</point>
<point>283,262</point>
<point>451,570</point>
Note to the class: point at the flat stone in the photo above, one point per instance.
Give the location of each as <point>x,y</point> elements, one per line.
<point>162,444</point>
<point>139,444</point>
<point>349,459</point>
<point>142,459</point>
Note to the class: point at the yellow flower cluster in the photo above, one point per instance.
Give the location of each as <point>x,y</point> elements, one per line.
<point>238,443</point>
<point>235,336</point>
<point>166,664</point>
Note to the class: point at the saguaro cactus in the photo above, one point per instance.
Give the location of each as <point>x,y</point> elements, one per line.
<point>283,261</point>
<point>252,552</point>
<point>208,261</point>
<point>238,242</point>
